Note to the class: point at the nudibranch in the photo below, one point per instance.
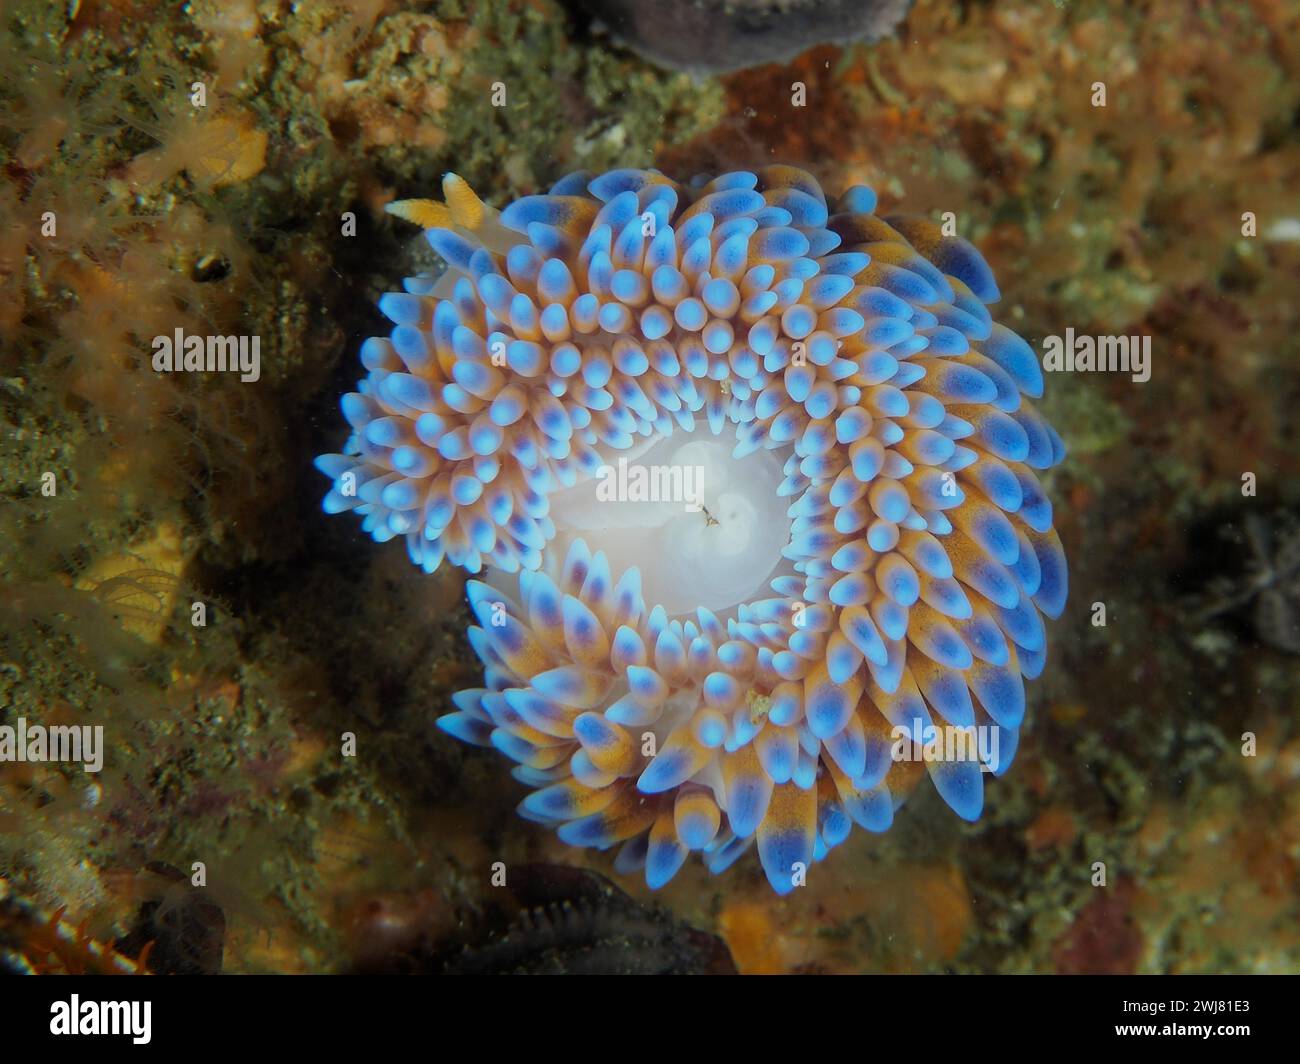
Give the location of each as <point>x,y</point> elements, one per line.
<point>869,558</point>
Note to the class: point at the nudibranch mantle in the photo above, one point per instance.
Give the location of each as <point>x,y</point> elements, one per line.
<point>853,358</point>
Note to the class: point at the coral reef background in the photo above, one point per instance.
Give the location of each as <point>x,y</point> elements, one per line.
<point>261,213</point>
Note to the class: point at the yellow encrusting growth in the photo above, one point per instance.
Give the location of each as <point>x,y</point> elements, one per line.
<point>141,584</point>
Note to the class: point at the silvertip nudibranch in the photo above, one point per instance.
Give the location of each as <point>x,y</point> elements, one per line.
<point>748,479</point>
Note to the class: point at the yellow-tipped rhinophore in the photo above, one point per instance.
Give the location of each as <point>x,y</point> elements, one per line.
<point>426,213</point>
<point>465,206</point>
